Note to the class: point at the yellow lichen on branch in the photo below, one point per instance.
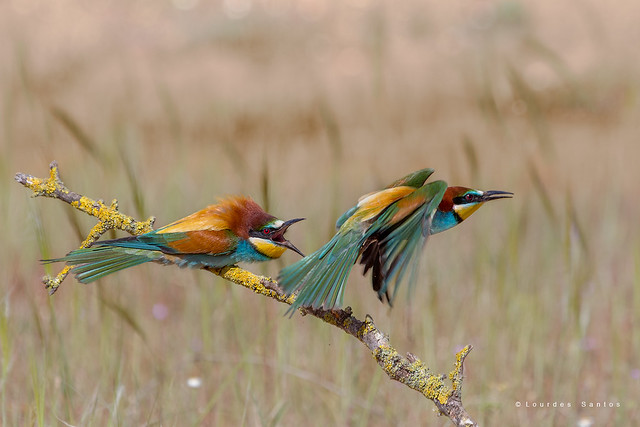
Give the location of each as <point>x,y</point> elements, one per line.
<point>259,284</point>
<point>457,373</point>
<point>44,187</point>
<point>408,370</point>
<point>108,216</point>
<point>413,373</point>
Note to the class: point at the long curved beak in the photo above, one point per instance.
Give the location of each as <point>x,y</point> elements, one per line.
<point>495,195</point>
<point>278,236</point>
<point>287,224</point>
<point>289,245</point>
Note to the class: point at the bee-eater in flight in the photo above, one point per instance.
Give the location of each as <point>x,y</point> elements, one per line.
<point>235,230</point>
<point>387,231</point>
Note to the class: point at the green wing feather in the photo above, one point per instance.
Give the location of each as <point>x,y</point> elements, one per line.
<point>345,216</point>
<point>152,241</point>
<point>320,277</point>
<point>401,246</point>
<point>415,179</point>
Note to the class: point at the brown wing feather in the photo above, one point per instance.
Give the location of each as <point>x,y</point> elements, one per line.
<point>204,242</point>
<point>372,251</point>
<point>237,213</point>
<point>406,206</point>
<point>209,218</point>
<point>373,204</point>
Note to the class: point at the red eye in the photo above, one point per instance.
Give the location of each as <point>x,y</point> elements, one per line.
<point>468,197</point>
<point>266,231</point>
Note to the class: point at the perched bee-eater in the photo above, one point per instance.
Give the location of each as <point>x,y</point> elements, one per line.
<point>387,230</point>
<point>235,230</point>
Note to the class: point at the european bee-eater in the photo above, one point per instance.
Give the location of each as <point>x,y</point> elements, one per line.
<point>387,230</point>
<point>235,230</point>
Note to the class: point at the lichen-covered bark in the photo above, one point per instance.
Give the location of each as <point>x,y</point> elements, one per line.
<point>408,369</point>
<point>108,216</point>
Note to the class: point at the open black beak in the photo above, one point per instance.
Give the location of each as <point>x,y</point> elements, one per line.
<point>495,195</point>
<point>278,236</point>
<point>288,223</point>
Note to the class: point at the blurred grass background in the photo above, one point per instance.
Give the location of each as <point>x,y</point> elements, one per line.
<point>305,105</point>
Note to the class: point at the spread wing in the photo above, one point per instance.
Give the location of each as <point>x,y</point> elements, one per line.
<point>320,277</point>
<point>395,239</point>
<point>413,180</point>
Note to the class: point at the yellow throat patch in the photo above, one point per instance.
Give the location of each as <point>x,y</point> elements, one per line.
<point>465,211</point>
<point>267,247</point>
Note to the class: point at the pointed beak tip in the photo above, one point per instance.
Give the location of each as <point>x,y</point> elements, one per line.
<point>290,222</point>
<point>291,246</point>
<point>279,234</point>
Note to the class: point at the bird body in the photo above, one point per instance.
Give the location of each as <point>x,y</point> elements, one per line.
<point>386,230</point>
<point>235,230</point>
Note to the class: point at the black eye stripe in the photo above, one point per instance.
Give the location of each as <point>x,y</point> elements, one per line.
<point>266,231</point>
<point>466,198</point>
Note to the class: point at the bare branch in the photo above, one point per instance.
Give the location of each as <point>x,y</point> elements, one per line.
<point>408,370</point>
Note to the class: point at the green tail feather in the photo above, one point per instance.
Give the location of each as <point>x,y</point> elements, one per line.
<point>320,277</point>
<point>99,261</point>
<point>87,273</point>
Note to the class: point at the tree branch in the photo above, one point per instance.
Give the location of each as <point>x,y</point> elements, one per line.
<point>408,370</point>
<point>108,216</point>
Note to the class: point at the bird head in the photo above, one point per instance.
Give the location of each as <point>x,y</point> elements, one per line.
<point>269,240</point>
<point>458,203</point>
